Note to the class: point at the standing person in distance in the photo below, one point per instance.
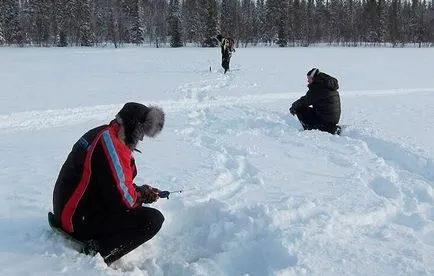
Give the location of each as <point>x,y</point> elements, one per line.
<point>227,48</point>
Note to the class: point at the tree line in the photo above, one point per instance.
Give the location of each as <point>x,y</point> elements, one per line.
<point>178,23</point>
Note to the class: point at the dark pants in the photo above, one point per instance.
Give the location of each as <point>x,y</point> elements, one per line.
<point>226,58</point>
<point>121,233</point>
<point>310,120</point>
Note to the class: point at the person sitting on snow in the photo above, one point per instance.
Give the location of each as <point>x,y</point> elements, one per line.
<point>227,48</point>
<point>95,198</point>
<point>320,108</point>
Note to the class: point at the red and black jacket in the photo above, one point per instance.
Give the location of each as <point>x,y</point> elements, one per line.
<point>96,180</point>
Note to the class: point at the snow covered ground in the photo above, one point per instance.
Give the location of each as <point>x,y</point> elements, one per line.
<point>261,197</point>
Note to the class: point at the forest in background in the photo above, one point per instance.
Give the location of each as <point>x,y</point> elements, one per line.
<point>177,23</point>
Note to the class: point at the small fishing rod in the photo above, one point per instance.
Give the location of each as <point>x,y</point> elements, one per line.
<point>165,194</point>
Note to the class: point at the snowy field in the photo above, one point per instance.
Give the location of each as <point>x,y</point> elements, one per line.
<point>261,197</point>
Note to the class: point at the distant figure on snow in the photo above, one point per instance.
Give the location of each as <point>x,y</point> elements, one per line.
<point>95,198</point>
<point>227,48</point>
<point>320,108</point>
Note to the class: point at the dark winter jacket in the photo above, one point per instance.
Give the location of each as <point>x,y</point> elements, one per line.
<point>227,46</point>
<point>323,97</point>
<point>95,181</point>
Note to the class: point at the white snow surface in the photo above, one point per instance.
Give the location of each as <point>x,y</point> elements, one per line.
<point>260,196</point>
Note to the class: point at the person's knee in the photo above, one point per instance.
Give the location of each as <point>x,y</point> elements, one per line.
<point>156,220</point>
<point>303,118</point>
<point>159,219</point>
<point>149,218</point>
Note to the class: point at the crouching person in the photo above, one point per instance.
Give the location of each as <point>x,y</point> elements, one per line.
<point>95,198</point>
<point>320,108</point>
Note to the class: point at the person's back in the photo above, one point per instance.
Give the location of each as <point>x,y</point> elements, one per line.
<point>325,98</point>
<point>320,108</point>
<point>85,191</point>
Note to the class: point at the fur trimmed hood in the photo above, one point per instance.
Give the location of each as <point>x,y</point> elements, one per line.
<point>154,121</point>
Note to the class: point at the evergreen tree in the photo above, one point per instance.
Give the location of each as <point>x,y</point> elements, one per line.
<point>382,21</point>
<point>137,30</point>
<point>2,36</point>
<point>430,22</point>
<point>160,25</point>
<point>300,22</point>
<point>211,21</point>
<point>12,32</point>
<point>320,25</point>
<point>421,28</point>
<point>248,22</point>
<point>360,23</point>
<point>335,11</point>
<point>39,12</point>
<point>101,20</point>
<point>86,35</point>
<point>371,17</point>
<point>261,16</point>
<point>277,22</point>
<point>310,21</point>
<point>407,27</point>
<point>191,22</point>
<point>228,18</point>
<point>394,32</point>
<point>114,26</point>
<point>175,24</point>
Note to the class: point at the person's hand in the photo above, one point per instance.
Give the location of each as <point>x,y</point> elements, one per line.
<point>148,194</point>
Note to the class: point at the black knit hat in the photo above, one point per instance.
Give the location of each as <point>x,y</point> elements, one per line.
<point>133,113</point>
<point>139,120</point>
<point>313,72</point>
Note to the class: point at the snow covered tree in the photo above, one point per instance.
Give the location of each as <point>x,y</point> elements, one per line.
<point>300,22</point>
<point>211,19</point>
<point>430,22</point>
<point>39,12</point>
<point>248,22</point>
<point>319,25</point>
<point>228,18</point>
<point>407,22</point>
<point>335,27</point>
<point>310,22</point>
<point>421,18</point>
<point>349,22</point>
<point>371,17</point>
<point>175,27</point>
<point>191,22</point>
<point>277,22</point>
<point>86,35</point>
<point>261,14</point>
<point>12,32</point>
<point>155,21</point>
<point>2,36</point>
<point>136,30</point>
<point>76,24</point>
<point>160,25</point>
<point>393,22</point>
<point>297,22</point>
<point>382,21</point>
